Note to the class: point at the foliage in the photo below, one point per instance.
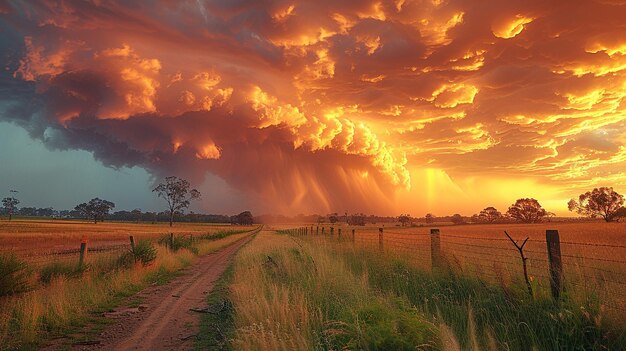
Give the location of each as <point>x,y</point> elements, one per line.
<point>244,218</point>
<point>177,194</point>
<point>457,219</point>
<point>429,218</point>
<point>95,208</point>
<point>144,251</point>
<point>333,217</point>
<point>14,275</point>
<point>10,205</point>
<point>600,202</point>
<point>59,269</point>
<point>527,211</point>
<point>357,219</point>
<point>404,219</point>
<point>489,214</point>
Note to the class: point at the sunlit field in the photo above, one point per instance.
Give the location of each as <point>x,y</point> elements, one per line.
<point>48,294</point>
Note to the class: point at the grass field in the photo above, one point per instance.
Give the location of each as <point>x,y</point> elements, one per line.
<point>53,295</point>
<point>307,288</point>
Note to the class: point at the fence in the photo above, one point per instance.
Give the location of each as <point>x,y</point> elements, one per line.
<point>550,262</point>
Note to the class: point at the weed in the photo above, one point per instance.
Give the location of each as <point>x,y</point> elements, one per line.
<point>14,275</point>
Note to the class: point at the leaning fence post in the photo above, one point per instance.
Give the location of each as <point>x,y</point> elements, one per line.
<point>132,243</point>
<point>556,265</point>
<point>380,240</point>
<point>435,248</point>
<point>83,252</point>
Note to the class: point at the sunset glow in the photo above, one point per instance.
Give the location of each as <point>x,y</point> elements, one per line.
<point>329,106</point>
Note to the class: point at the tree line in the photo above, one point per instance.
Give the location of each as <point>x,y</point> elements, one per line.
<point>176,192</point>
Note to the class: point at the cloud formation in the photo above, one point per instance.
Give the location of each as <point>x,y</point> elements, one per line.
<point>326,105</point>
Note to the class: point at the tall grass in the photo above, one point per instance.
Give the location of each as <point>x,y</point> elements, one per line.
<point>479,315</point>
<point>68,295</point>
<point>291,296</point>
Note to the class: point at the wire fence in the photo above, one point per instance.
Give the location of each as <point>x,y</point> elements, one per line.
<point>597,268</point>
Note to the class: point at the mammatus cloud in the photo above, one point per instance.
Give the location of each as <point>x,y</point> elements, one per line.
<point>320,106</point>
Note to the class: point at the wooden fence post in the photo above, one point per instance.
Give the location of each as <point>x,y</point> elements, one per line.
<point>317,229</point>
<point>339,233</point>
<point>332,231</point>
<point>435,248</point>
<point>322,230</point>
<point>132,243</point>
<point>352,235</point>
<point>83,252</point>
<point>380,240</point>
<point>556,265</point>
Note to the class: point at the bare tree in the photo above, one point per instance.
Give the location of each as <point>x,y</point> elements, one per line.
<point>600,202</point>
<point>527,211</point>
<point>95,208</point>
<point>177,194</point>
<point>10,205</point>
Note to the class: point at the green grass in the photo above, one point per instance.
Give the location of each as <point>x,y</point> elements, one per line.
<point>218,328</point>
<point>489,315</point>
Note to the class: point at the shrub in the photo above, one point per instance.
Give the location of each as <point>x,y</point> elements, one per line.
<point>144,252</point>
<point>14,275</point>
<point>58,269</point>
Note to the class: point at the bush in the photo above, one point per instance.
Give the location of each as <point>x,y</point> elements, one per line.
<point>144,252</point>
<point>179,242</point>
<point>14,275</point>
<point>58,269</point>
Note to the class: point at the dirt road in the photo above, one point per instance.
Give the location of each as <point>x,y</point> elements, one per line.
<point>164,320</point>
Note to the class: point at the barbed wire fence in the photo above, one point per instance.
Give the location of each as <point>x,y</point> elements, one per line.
<point>559,265</point>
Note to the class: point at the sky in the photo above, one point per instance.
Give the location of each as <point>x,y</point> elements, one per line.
<point>321,106</point>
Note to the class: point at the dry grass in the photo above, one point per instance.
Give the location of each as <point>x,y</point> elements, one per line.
<point>38,237</point>
<point>290,295</point>
<point>51,308</point>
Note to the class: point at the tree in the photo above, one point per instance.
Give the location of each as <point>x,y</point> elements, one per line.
<point>489,214</point>
<point>95,208</point>
<point>136,214</point>
<point>177,194</point>
<point>10,205</point>
<point>333,217</point>
<point>621,213</point>
<point>429,218</point>
<point>244,218</point>
<point>527,211</point>
<point>600,202</point>
<point>457,219</point>
<point>357,219</point>
<point>404,219</point>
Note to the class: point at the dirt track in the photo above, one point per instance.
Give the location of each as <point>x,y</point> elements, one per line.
<point>164,320</point>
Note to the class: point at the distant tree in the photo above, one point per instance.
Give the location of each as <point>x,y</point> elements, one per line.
<point>457,219</point>
<point>177,194</point>
<point>621,213</point>
<point>333,217</point>
<point>600,202</point>
<point>10,205</point>
<point>357,219</point>
<point>404,219</point>
<point>95,208</point>
<point>244,218</point>
<point>429,218</point>
<point>527,211</point>
<point>136,214</point>
<point>489,215</point>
